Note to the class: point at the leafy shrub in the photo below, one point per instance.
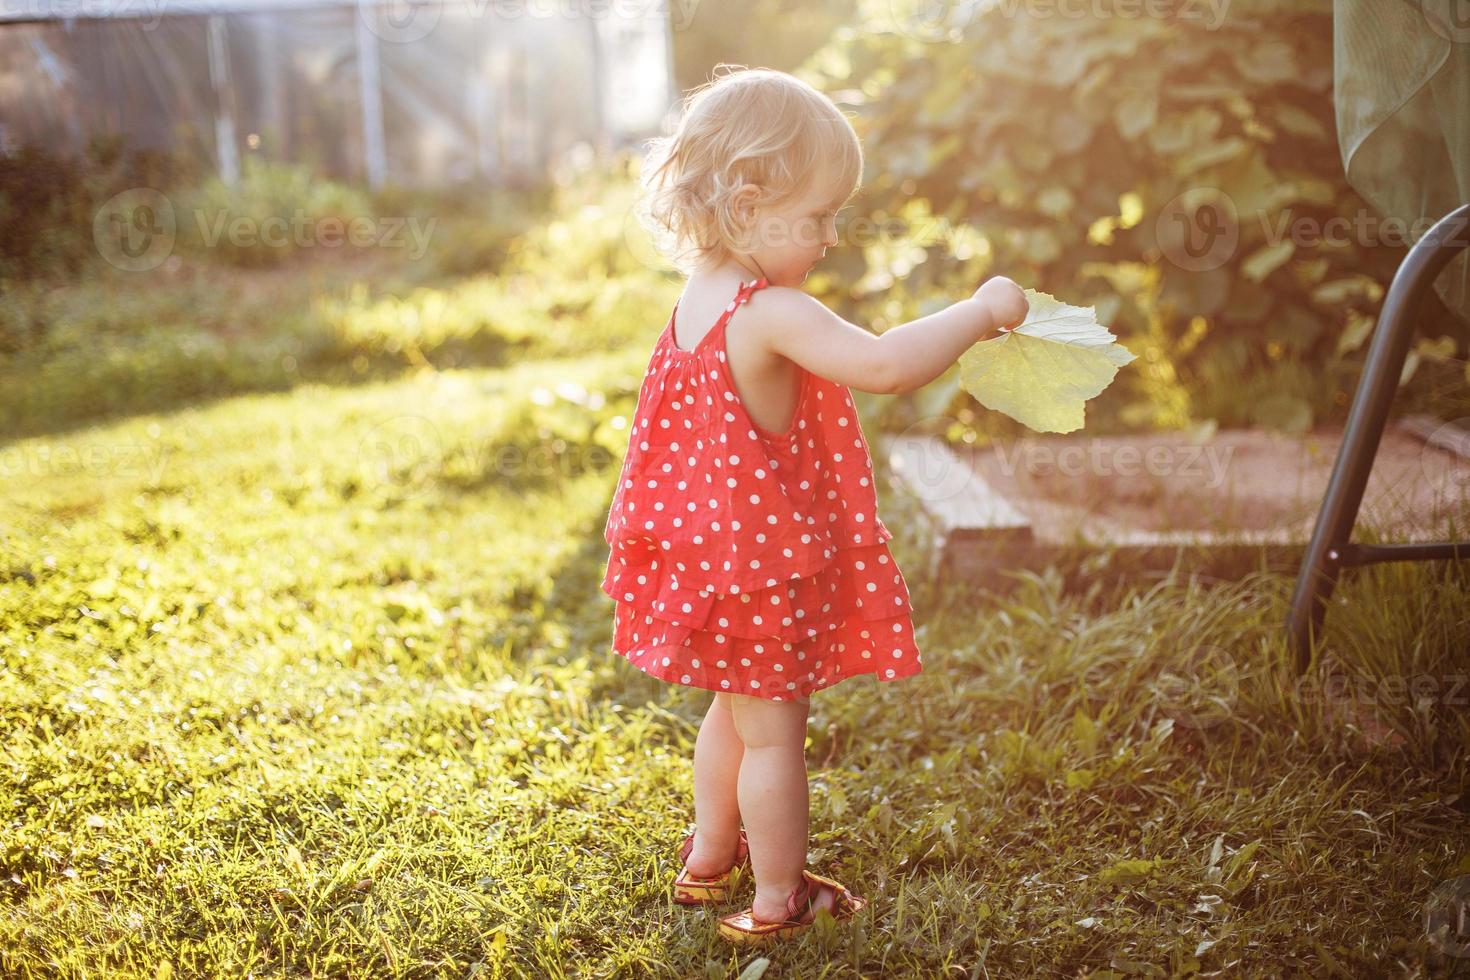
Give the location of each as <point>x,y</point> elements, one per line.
<point>1088,157</point>
<point>272,212</point>
<point>48,201</point>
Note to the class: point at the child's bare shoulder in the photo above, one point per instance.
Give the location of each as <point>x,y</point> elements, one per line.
<point>800,327</point>
<point>777,310</point>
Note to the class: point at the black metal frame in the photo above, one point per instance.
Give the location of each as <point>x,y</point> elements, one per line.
<point>1330,550</point>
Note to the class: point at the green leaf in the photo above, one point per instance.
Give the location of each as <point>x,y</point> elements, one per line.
<point>1127,872</point>
<point>1239,858</point>
<point>1357,331</point>
<point>1084,732</point>
<point>1267,259</point>
<point>1135,112</point>
<point>1042,372</point>
<point>1080,778</point>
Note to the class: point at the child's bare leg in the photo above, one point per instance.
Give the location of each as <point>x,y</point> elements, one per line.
<point>773,796</point>
<point>717,754</point>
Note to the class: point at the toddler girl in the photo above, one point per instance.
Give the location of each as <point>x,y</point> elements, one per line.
<point>747,555</point>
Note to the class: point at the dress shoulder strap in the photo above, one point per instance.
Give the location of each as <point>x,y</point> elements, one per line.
<point>714,336</point>
<point>746,290</point>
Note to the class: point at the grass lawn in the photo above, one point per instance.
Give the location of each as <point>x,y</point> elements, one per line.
<point>316,682</point>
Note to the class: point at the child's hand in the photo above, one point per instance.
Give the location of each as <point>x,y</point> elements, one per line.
<point>1007,302</point>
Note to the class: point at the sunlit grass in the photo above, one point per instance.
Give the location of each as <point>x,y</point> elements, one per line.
<point>319,695</point>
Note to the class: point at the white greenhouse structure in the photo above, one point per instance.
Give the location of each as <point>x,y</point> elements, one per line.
<point>419,94</point>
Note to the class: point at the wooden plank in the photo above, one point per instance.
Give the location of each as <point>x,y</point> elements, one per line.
<point>957,498</point>
<point>968,519</point>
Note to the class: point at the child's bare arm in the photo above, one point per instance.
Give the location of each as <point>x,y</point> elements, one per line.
<point>799,327</point>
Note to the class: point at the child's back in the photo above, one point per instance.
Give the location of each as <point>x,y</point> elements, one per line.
<point>744,559</point>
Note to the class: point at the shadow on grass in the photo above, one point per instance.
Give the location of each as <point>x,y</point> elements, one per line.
<point>122,391</point>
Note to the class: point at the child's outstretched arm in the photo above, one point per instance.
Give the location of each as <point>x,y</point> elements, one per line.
<point>797,326</point>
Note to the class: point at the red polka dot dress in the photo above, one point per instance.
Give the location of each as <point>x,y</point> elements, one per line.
<point>744,560</point>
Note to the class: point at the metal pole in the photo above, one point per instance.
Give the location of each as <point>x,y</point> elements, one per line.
<point>369,73</point>
<point>227,150</point>
<point>1328,552</point>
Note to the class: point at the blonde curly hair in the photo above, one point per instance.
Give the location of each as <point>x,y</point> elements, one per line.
<point>750,126</point>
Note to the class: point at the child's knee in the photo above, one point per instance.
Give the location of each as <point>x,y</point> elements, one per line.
<point>761,723</point>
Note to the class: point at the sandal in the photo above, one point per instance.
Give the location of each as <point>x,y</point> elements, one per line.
<point>690,889</point>
<point>744,927</point>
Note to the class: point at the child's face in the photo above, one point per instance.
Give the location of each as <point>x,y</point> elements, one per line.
<point>789,240</point>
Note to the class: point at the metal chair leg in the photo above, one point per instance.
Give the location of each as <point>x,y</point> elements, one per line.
<point>1329,550</point>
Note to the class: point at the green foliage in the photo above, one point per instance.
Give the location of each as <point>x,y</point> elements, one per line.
<point>269,215</point>
<point>766,33</point>
<point>1102,158</point>
<point>559,280</point>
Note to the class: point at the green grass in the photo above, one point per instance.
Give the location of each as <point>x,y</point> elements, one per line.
<point>315,681</point>
<point>298,699</point>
